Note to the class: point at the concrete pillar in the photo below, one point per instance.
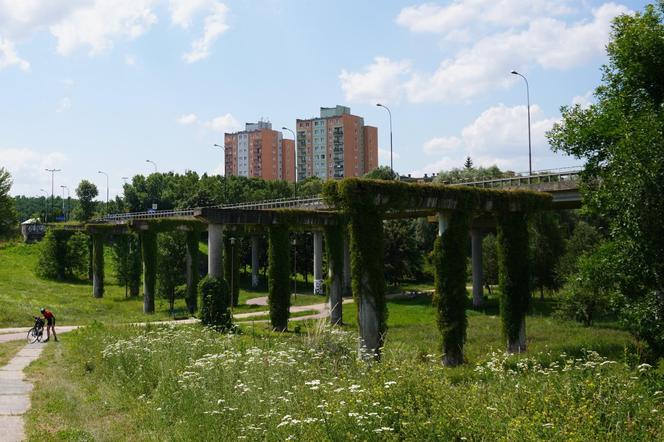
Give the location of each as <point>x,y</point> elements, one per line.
<point>216,250</point>
<point>149,256</point>
<point>442,223</point>
<point>255,244</point>
<point>192,270</point>
<point>318,264</point>
<point>347,285</point>
<point>97,265</point>
<point>478,276</point>
<point>334,240</point>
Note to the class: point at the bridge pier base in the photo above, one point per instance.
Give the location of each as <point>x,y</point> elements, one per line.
<point>254,261</point>
<point>478,274</point>
<point>216,250</point>
<point>318,263</point>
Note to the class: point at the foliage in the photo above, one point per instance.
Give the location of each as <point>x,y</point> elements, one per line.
<point>310,186</point>
<point>62,255</point>
<point>490,261</point>
<point>279,276</point>
<point>583,239</point>
<point>8,216</point>
<point>471,173</point>
<point>127,262</point>
<point>381,173</point>
<point>591,292</point>
<point>232,268</point>
<point>86,192</point>
<point>620,139</point>
<point>215,302</point>
<point>334,247</point>
<point>644,318</point>
<point>149,255</point>
<point>513,276</point>
<point>98,264</point>
<point>192,384</point>
<point>171,268</point>
<point>193,271</point>
<point>403,256</point>
<point>546,248</point>
<point>450,298</point>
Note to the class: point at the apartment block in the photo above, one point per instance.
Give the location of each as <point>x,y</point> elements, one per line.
<point>336,145</point>
<point>259,151</point>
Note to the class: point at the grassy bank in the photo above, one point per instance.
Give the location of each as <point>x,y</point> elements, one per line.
<point>9,349</point>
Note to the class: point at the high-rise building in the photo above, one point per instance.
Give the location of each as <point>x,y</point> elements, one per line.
<point>259,151</point>
<point>336,145</point>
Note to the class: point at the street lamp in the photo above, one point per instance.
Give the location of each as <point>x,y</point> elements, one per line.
<point>52,174</point>
<point>530,155</point>
<point>45,210</point>
<point>153,163</point>
<point>104,173</point>
<point>390,113</point>
<point>294,158</point>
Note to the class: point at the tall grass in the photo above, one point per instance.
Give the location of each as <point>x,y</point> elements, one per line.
<point>189,383</point>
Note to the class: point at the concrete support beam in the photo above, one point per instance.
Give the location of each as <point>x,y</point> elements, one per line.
<point>97,265</point>
<point>334,242</point>
<point>192,270</point>
<point>347,286</point>
<point>216,250</point>
<point>255,245</point>
<point>318,264</point>
<point>149,256</point>
<point>478,275</point>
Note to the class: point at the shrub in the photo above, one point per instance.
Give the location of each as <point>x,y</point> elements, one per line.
<point>63,255</point>
<point>215,301</point>
<point>644,317</point>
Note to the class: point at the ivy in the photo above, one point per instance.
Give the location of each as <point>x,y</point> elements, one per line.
<point>232,275</point>
<point>513,276</point>
<point>149,253</point>
<point>279,276</point>
<point>450,297</point>
<point>98,264</point>
<point>193,256</point>
<point>335,254</point>
<point>214,303</point>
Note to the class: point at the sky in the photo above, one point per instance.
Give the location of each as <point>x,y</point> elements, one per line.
<point>104,85</point>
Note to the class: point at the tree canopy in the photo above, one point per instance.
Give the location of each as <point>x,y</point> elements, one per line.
<point>86,192</point>
<point>7,210</point>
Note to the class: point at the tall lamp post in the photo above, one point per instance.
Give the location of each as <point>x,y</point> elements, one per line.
<point>104,173</point>
<point>52,187</point>
<point>390,113</point>
<point>45,209</point>
<point>530,155</point>
<point>153,163</point>
<point>294,160</point>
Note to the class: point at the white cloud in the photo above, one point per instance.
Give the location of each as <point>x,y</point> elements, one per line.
<point>497,136</point>
<point>468,17</point>
<point>215,25</point>
<point>547,42</point>
<point>384,154</point>
<point>381,81</point>
<point>130,60</point>
<point>65,105</point>
<point>187,119</point>
<point>584,100</point>
<point>184,11</point>
<point>223,124</point>
<point>27,168</point>
<point>9,56</point>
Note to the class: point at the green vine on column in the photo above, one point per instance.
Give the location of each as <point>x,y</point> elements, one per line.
<point>193,237</point>
<point>232,276</point>
<point>98,262</point>
<point>279,276</point>
<point>149,252</point>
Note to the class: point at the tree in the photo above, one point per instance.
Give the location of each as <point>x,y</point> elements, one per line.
<point>490,261</point>
<point>86,192</point>
<point>171,267</point>
<point>620,138</point>
<point>8,219</point>
<point>546,248</point>
<point>468,164</point>
<point>381,173</point>
<point>470,174</point>
<point>583,239</point>
<point>127,259</point>
<point>403,257</point>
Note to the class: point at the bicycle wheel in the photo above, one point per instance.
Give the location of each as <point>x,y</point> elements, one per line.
<point>33,335</point>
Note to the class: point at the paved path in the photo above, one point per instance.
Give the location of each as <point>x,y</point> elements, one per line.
<point>19,333</point>
<point>15,393</point>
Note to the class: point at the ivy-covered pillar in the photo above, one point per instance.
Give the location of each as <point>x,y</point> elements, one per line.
<point>192,269</point>
<point>216,250</point>
<point>476,260</point>
<point>97,265</point>
<point>255,247</point>
<point>334,247</point>
<point>279,276</point>
<point>513,277</point>
<point>232,269</point>
<point>318,263</point>
<point>449,256</point>
<point>346,279</point>
<point>367,268</point>
<point>149,255</point>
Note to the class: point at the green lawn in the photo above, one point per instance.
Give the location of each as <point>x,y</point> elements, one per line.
<point>9,349</point>
<point>22,294</point>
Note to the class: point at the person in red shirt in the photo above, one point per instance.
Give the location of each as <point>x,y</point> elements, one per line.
<point>50,324</point>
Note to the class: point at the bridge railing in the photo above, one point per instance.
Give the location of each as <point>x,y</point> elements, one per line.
<point>525,180</point>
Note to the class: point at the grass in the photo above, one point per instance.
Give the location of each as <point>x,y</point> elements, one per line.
<point>9,349</point>
<point>22,294</point>
<point>187,383</point>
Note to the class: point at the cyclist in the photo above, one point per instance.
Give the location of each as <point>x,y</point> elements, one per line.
<point>50,324</point>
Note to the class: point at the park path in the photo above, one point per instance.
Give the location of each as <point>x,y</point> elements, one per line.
<point>15,393</point>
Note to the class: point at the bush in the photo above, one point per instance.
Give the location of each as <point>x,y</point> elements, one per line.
<point>645,319</point>
<point>215,301</point>
<point>63,255</point>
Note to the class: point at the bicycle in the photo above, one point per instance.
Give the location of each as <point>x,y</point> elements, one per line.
<point>36,333</point>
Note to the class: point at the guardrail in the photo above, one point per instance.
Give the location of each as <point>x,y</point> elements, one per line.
<point>545,176</point>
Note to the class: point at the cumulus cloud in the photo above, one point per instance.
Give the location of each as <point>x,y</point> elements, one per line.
<point>499,136</point>
<point>214,24</point>
<point>9,56</point>
<point>223,124</point>
<point>187,119</point>
<point>27,167</point>
<point>381,81</point>
<point>584,100</point>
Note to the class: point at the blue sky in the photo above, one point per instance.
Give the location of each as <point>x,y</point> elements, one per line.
<point>89,85</point>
